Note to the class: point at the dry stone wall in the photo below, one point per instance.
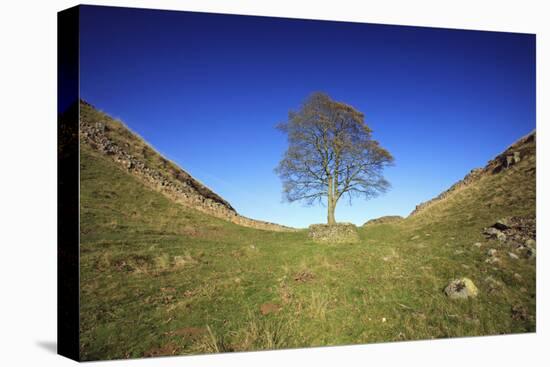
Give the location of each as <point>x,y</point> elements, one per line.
<point>180,186</point>
<point>521,149</point>
<point>333,233</point>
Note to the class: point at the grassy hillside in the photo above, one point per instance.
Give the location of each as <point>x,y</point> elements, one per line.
<point>112,138</point>
<point>106,134</point>
<point>158,278</point>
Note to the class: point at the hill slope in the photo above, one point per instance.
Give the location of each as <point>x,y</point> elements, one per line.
<point>161,278</point>
<point>113,139</point>
<point>522,150</point>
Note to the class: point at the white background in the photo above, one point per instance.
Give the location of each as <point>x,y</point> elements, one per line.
<point>28,181</point>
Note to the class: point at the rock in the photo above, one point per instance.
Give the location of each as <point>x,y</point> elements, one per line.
<point>461,289</point>
<point>415,237</point>
<point>478,244</point>
<point>513,256</point>
<point>530,243</point>
<point>491,232</point>
<point>492,260</point>
<point>492,252</point>
<point>502,224</point>
<point>517,157</point>
<point>528,252</point>
<point>513,231</point>
<point>513,159</point>
<point>100,126</point>
<point>334,233</point>
<point>518,247</point>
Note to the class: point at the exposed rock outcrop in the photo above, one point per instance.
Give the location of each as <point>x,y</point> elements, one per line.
<point>117,142</point>
<point>515,234</point>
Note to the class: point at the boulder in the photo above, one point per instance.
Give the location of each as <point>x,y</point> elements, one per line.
<point>501,237</point>
<point>527,251</point>
<point>512,159</point>
<point>461,289</point>
<point>502,224</point>
<point>491,232</point>
<point>334,233</point>
<point>517,157</point>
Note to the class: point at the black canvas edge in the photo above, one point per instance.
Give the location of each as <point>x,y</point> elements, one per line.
<point>68,186</point>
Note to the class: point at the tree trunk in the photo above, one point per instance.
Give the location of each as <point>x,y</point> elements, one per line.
<point>331,203</point>
<point>331,208</point>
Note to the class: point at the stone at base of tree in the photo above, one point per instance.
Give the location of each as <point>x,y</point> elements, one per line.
<point>461,289</point>
<point>334,233</point>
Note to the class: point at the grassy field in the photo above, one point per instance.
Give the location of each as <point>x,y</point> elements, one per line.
<point>160,279</point>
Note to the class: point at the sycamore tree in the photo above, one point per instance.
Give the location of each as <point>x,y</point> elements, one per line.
<point>330,155</point>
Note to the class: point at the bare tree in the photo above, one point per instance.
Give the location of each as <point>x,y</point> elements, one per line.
<point>330,154</point>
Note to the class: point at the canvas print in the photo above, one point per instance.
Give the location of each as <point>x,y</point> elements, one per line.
<point>235,183</point>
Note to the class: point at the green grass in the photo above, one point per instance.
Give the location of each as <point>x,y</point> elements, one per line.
<point>158,278</point>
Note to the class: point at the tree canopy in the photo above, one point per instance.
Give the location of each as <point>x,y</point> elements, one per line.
<point>331,154</point>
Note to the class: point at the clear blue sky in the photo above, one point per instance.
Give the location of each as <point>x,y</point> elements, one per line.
<point>207,91</point>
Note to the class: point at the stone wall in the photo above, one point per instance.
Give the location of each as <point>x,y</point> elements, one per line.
<point>334,233</point>
<point>178,186</point>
